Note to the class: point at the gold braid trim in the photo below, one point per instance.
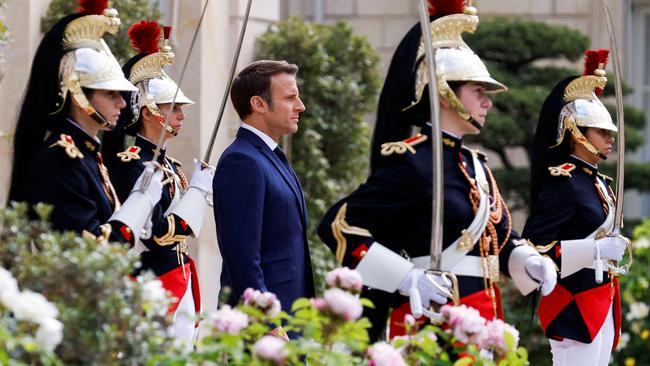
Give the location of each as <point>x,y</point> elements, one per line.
<point>169,238</point>
<point>543,248</point>
<point>489,246</point>
<point>340,227</point>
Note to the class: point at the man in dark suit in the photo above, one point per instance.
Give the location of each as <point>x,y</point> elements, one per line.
<point>259,208</point>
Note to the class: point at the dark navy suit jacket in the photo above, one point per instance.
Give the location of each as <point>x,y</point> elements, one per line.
<point>261,221</point>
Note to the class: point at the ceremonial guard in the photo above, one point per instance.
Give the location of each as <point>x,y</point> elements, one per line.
<point>72,94</point>
<point>384,227</point>
<point>572,217</point>
<point>179,214</point>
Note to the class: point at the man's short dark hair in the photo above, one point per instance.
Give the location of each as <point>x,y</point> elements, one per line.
<point>254,80</point>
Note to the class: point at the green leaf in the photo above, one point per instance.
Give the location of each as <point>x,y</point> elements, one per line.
<point>465,361</point>
<point>300,304</point>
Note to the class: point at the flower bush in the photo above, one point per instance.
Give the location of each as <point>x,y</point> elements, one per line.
<point>98,313</point>
<point>635,301</point>
<point>329,330</point>
<point>108,317</point>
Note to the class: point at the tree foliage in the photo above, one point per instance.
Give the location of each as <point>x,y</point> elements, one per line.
<point>338,84</point>
<point>524,55</point>
<point>130,12</point>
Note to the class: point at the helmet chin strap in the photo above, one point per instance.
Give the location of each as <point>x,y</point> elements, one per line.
<point>456,104</point>
<point>80,98</point>
<point>474,123</point>
<point>155,111</point>
<point>571,125</point>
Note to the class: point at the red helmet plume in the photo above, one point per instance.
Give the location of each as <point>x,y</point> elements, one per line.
<point>446,7</point>
<point>145,36</point>
<point>89,7</point>
<point>594,60</point>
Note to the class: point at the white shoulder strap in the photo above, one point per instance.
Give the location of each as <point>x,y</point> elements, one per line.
<point>608,224</point>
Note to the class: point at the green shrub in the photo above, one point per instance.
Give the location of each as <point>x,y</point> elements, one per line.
<point>108,316</point>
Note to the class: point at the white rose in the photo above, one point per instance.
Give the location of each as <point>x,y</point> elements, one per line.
<point>49,334</point>
<point>153,291</point>
<point>638,310</point>
<point>33,307</point>
<point>8,287</point>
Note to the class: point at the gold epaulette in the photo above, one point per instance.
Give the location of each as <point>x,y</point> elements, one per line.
<point>132,153</point>
<point>66,142</point>
<point>174,161</point>
<point>562,170</point>
<point>401,147</point>
<point>340,227</point>
<point>606,178</point>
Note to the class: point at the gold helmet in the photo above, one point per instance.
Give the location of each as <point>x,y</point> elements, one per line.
<point>455,60</point>
<point>146,72</point>
<point>583,108</point>
<point>88,62</point>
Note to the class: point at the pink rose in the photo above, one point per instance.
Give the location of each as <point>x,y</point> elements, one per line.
<point>265,301</point>
<point>466,323</point>
<point>383,354</point>
<point>227,320</point>
<point>319,304</point>
<point>493,337</point>
<point>271,348</point>
<point>343,303</point>
<point>344,278</point>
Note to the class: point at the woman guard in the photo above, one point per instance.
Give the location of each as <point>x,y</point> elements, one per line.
<point>384,227</point>
<point>572,217</point>
<point>72,94</point>
<point>179,214</point>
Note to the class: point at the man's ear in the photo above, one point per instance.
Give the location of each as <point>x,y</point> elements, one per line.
<point>258,104</point>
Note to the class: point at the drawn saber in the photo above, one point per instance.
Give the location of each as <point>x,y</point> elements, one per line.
<point>224,100</point>
<point>620,169</point>
<point>436,143</point>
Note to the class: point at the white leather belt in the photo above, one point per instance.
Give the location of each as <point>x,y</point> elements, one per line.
<point>470,265</point>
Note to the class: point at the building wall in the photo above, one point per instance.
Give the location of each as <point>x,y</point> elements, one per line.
<point>23,19</point>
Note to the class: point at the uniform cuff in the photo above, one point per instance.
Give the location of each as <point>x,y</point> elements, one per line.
<point>576,255</point>
<point>383,269</point>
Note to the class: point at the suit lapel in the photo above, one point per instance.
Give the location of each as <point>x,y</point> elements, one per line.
<point>266,151</point>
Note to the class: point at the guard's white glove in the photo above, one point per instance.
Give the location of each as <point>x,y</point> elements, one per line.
<point>153,191</point>
<point>542,270</point>
<point>202,178</point>
<point>611,247</point>
<point>418,285</point>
